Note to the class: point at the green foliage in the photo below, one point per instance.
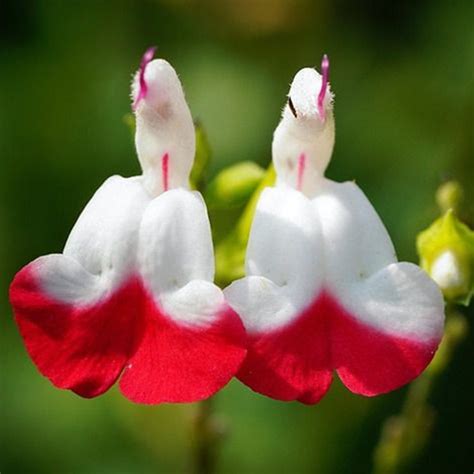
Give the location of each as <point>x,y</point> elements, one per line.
<point>405,435</point>
<point>202,158</point>
<point>230,252</point>
<point>455,331</point>
<point>234,185</point>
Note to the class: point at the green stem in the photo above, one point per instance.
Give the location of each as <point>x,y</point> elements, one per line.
<point>207,436</point>
<point>404,435</point>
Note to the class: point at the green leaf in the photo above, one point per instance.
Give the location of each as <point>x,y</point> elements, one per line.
<point>202,158</point>
<point>233,186</point>
<point>230,252</point>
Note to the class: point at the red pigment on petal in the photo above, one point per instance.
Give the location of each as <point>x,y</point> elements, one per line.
<point>295,362</point>
<point>81,348</point>
<point>142,85</point>
<point>165,170</point>
<point>324,86</point>
<point>301,168</point>
<point>178,363</point>
<point>85,348</point>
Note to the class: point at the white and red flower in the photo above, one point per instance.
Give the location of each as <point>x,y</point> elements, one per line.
<point>132,294</point>
<point>323,290</point>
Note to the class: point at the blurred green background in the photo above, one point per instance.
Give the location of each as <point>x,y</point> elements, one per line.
<point>403,75</point>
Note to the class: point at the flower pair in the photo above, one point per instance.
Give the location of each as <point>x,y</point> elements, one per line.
<point>132,292</point>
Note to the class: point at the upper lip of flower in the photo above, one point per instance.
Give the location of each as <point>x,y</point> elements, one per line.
<point>310,96</point>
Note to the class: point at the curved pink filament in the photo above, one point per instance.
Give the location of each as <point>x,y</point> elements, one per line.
<point>301,168</point>
<point>142,85</point>
<point>165,170</point>
<point>324,87</point>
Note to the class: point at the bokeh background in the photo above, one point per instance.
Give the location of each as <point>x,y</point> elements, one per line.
<point>403,77</point>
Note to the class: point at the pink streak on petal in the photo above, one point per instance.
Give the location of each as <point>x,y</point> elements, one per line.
<point>301,169</point>
<point>324,87</point>
<point>143,88</point>
<point>165,170</point>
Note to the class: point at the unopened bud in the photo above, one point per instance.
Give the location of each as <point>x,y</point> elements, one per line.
<point>449,195</point>
<point>446,251</point>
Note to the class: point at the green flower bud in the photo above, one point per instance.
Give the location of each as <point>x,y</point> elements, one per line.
<point>446,250</point>
<point>449,195</point>
<point>233,186</point>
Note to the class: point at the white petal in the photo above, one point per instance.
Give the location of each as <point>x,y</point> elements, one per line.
<point>196,304</point>
<point>66,280</point>
<point>261,304</point>
<point>285,240</point>
<point>356,243</point>
<point>361,268</point>
<point>400,300</point>
<point>446,271</point>
<point>104,238</point>
<point>285,249</point>
<point>175,245</point>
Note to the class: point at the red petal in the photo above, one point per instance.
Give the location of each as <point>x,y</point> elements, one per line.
<point>291,363</point>
<point>176,363</point>
<point>83,349</point>
<point>370,362</point>
<point>296,362</point>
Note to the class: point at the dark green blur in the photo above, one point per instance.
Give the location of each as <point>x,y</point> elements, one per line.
<point>403,76</point>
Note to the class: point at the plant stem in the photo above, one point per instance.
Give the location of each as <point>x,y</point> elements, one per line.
<point>208,432</point>
<point>404,436</point>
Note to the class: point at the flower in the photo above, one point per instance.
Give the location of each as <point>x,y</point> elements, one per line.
<point>323,290</point>
<point>132,294</point>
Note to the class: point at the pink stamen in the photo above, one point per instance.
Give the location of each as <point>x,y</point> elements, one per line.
<point>164,170</point>
<point>324,87</point>
<point>301,168</point>
<point>142,85</point>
